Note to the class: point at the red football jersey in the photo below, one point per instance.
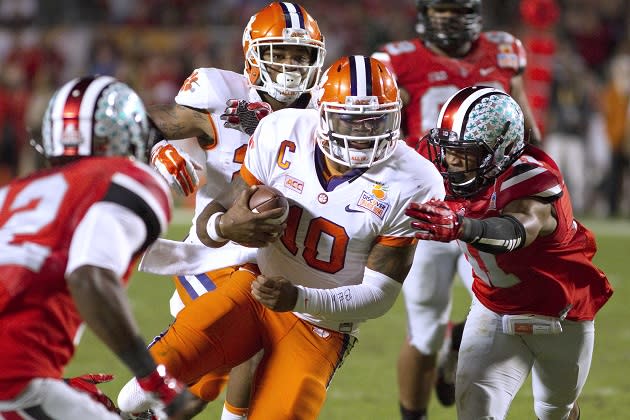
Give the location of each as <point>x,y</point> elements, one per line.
<point>555,274</point>
<point>39,216</point>
<point>430,79</point>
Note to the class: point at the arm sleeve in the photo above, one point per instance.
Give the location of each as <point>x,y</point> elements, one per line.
<point>495,235</point>
<point>370,299</point>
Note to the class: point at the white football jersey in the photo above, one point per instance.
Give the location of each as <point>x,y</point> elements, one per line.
<point>332,225</point>
<point>209,89</point>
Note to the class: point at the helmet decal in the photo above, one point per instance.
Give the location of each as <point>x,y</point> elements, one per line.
<point>292,15</point>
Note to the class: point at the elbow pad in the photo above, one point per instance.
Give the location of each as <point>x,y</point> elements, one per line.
<point>495,235</point>
<point>370,299</point>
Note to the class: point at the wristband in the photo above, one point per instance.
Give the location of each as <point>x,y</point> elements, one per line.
<point>211,227</point>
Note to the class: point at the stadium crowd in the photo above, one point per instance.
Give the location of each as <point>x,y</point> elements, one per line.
<point>577,74</point>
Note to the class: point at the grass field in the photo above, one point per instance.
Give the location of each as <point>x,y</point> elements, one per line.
<point>365,387</point>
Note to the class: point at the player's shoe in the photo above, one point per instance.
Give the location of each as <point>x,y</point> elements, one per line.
<point>145,415</point>
<point>447,367</point>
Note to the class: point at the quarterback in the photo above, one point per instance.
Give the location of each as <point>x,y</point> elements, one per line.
<point>284,52</point>
<point>342,258</point>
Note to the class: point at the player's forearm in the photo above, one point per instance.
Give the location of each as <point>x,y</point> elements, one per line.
<point>178,122</point>
<point>370,299</point>
<point>104,306</point>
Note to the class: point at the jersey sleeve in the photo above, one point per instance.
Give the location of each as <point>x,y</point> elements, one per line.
<point>210,88</point>
<point>108,236</point>
<point>510,52</point>
<point>260,156</point>
<point>132,214</point>
<point>424,186</point>
<point>529,178</point>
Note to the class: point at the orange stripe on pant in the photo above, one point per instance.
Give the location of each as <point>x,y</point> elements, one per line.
<point>222,329</point>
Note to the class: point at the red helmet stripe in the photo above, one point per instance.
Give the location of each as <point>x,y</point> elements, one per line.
<point>450,108</point>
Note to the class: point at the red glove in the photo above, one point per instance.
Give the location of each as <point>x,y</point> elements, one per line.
<point>87,383</point>
<point>244,116</point>
<point>177,168</point>
<point>163,389</point>
<point>435,221</point>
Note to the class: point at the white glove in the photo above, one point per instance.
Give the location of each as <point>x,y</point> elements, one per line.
<point>176,167</point>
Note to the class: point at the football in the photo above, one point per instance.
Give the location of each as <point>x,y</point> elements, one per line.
<point>268,198</point>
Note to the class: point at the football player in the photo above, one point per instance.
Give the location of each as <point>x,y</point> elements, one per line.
<point>284,52</point>
<point>537,290</point>
<point>68,239</point>
<point>341,259</point>
<point>451,52</point>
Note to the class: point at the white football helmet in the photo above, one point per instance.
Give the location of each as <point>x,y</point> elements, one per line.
<point>481,125</point>
<point>95,116</point>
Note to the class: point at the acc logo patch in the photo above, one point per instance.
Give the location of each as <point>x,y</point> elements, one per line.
<point>293,184</point>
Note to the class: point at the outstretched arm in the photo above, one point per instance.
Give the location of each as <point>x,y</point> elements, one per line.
<point>521,222</point>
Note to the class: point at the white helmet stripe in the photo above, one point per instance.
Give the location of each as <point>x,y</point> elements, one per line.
<point>86,112</point>
<point>293,15</point>
<point>359,73</point>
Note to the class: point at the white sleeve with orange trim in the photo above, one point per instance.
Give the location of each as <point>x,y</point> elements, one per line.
<point>423,182</point>
<point>210,88</point>
<point>260,157</point>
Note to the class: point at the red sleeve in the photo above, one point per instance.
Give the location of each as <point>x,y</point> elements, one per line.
<point>529,177</point>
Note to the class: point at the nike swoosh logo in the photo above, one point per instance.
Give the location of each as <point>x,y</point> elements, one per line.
<point>349,210</point>
<point>486,71</point>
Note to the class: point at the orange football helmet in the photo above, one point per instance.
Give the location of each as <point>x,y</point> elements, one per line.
<point>360,112</point>
<point>283,24</point>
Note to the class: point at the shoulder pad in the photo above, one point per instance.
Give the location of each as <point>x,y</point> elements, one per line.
<point>509,50</point>
<point>529,177</point>
<point>210,88</point>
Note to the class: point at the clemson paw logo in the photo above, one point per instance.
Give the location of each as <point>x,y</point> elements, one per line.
<point>188,83</point>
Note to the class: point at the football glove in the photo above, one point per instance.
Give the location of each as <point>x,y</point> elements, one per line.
<point>164,392</point>
<point>435,221</point>
<point>87,383</point>
<point>244,116</point>
<point>176,167</point>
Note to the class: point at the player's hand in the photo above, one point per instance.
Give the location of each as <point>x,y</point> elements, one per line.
<point>87,383</point>
<point>244,116</point>
<point>275,293</point>
<point>241,225</point>
<point>176,167</point>
<point>170,399</point>
<point>435,221</point>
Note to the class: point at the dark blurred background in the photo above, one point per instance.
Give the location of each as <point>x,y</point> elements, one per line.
<point>578,74</point>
